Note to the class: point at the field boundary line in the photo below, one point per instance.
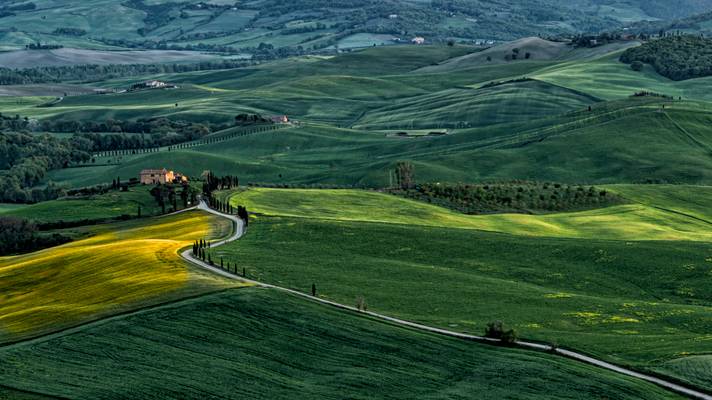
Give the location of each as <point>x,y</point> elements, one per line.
<point>105,319</point>
<point>240,231</point>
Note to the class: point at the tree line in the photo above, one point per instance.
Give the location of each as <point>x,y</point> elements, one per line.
<point>213,183</point>
<point>94,73</point>
<point>168,195</point>
<point>516,197</point>
<point>201,250</point>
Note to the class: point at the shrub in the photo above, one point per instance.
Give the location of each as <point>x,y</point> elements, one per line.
<point>637,66</point>
<point>495,330</point>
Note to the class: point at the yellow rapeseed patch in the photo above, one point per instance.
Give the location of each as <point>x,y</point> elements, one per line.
<point>114,270</point>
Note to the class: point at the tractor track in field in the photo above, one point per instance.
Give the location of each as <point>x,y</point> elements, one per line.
<point>240,230</point>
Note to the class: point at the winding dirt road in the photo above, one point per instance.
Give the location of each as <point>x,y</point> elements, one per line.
<point>240,230</point>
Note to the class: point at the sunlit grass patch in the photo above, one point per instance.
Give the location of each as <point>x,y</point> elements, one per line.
<point>558,295</point>
<point>123,265</point>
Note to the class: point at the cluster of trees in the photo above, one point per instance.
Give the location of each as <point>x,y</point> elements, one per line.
<point>199,248</point>
<point>224,207</point>
<point>645,93</point>
<point>19,235</point>
<point>142,134</point>
<point>304,28</point>
<point>696,23</point>
<point>496,330</point>
<point>40,46</point>
<point>94,73</point>
<point>167,194</point>
<point>518,196</point>
<point>595,40</point>
<point>117,134</point>
<point>199,251</point>
<point>251,119</point>
<point>500,83</point>
<point>213,183</point>
<point>25,160</point>
<point>516,55</point>
<point>69,32</point>
<point>675,57</point>
<point>405,175</point>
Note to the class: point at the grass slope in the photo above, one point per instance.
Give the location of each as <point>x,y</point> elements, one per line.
<point>579,146</point>
<point>625,222</point>
<point>639,303</point>
<point>254,343</point>
<point>477,107</point>
<point>122,266</point>
<point>108,205</point>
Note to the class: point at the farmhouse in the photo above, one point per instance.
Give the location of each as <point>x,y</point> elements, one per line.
<point>280,119</point>
<point>418,40</point>
<point>160,176</point>
<point>151,84</point>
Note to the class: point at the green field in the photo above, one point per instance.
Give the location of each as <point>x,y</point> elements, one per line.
<point>627,283</point>
<point>638,303</point>
<point>105,206</point>
<point>249,343</point>
<point>11,208</point>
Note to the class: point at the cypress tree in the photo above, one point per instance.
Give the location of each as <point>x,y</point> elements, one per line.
<point>221,263</point>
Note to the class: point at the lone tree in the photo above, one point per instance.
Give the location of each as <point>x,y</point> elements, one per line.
<point>405,175</point>
<point>313,289</point>
<point>495,330</point>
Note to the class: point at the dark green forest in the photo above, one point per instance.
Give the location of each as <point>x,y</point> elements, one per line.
<point>677,57</point>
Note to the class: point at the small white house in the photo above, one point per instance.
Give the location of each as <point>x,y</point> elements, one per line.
<point>418,40</point>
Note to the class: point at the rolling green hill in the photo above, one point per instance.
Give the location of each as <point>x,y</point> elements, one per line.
<point>506,121</point>
<point>598,149</point>
<point>600,289</point>
<point>255,343</point>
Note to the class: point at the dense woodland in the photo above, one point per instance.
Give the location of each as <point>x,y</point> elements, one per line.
<point>93,73</point>
<point>516,197</point>
<point>677,57</point>
<point>26,158</point>
<point>22,236</point>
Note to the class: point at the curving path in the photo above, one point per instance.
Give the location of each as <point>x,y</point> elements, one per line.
<point>240,231</point>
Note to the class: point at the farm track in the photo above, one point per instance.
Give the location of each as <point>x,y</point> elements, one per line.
<point>240,230</point>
